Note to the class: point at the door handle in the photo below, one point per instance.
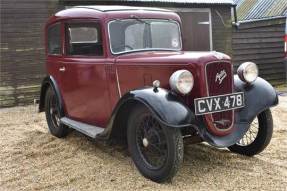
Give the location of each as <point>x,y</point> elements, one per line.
<point>62,69</point>
<point>203,23</point>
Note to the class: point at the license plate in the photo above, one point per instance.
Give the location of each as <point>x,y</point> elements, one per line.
<point>214,104</point>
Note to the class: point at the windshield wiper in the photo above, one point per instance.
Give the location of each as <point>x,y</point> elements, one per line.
<point>139,19</point>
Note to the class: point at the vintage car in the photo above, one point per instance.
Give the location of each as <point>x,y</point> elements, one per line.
<point>120,73</point>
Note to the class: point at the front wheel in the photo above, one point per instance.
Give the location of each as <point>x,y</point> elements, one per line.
<point>156,150</point>
<point>258,136</point>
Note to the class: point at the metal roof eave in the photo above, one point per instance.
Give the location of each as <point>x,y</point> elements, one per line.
<point>262,19</point>
<point>219,2</point>
<point>179,2</point>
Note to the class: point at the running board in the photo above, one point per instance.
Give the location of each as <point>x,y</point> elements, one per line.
<point>89,130</point>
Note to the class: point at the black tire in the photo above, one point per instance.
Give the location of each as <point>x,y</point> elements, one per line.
<point>262,139</point>
<point>53,115</point>
<point>164,141</point>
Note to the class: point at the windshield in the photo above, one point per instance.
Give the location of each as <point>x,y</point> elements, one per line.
<point>129,35</point>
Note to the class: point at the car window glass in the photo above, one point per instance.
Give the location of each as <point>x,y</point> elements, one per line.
<point>54,39</point>
<point>83,34</point>
<point>84,39</point>
<point>129,35</point>
<point>163,39</point>
<point>132,40</point>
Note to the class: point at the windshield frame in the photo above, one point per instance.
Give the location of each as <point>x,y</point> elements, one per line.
<point>145,49</point>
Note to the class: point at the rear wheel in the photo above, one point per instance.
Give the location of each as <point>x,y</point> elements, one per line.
<point>53,115</point>
<point>257,138</point>
<point>156,150</point>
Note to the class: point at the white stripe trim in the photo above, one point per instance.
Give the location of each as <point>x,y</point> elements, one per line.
<point>118,83</point>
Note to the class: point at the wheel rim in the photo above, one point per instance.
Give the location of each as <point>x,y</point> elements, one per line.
<point>54,111</point>
<point>250,135</point>
<point>151,142</point>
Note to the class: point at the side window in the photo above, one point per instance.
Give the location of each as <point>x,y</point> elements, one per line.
<point>54,39</point>
<point>84,39</point>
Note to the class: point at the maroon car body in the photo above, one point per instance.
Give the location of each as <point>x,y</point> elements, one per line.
<point>140,67</point>
<point>91,89</point>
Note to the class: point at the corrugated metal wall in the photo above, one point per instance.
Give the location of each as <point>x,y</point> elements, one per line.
<point>263,43</point>
<point>22,49</point>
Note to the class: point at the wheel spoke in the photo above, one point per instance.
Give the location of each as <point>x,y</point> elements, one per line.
<point>156,148</point>
<point>152,142</point>
<point>250,135</point>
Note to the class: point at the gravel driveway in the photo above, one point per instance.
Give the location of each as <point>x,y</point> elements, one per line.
<point>32,159</point>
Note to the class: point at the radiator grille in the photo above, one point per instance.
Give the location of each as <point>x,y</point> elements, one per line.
<point>219,77</point>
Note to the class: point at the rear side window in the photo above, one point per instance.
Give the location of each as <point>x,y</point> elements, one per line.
<point>84,39</point>
<point>54,39</point>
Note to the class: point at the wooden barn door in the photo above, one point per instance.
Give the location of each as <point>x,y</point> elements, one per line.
<point>196,29</point>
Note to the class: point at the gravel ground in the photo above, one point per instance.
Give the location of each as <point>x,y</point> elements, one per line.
<point>32,159</point>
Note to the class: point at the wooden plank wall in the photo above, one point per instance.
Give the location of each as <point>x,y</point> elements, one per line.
<point>22,49</point>
<point>262,42</point>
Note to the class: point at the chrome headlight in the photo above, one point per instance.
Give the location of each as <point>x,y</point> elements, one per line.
<point>248,72</point>
<point>181,81</point>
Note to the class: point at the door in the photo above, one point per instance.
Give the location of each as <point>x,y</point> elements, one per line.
<point>84,85</point>
<point>54,50</point>
<point>196,30</point>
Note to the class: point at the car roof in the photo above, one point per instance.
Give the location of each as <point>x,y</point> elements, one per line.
<point>110,8</point>
<point>112,12</point>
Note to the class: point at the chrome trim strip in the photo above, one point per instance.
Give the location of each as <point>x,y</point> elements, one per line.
<point>118,83</point>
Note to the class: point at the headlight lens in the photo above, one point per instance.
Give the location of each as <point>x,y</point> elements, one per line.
<point>181,81</point>
<point>248,72</point>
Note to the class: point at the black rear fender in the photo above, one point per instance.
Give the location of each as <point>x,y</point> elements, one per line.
<point>47,82</point>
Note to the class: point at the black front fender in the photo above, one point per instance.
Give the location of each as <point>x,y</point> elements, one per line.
<point>259,96</point>
<point>166,106</point>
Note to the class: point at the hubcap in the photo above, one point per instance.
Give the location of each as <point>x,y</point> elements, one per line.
<point>145,142</point>
<point>151,142</point>
<point>250,135</point>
